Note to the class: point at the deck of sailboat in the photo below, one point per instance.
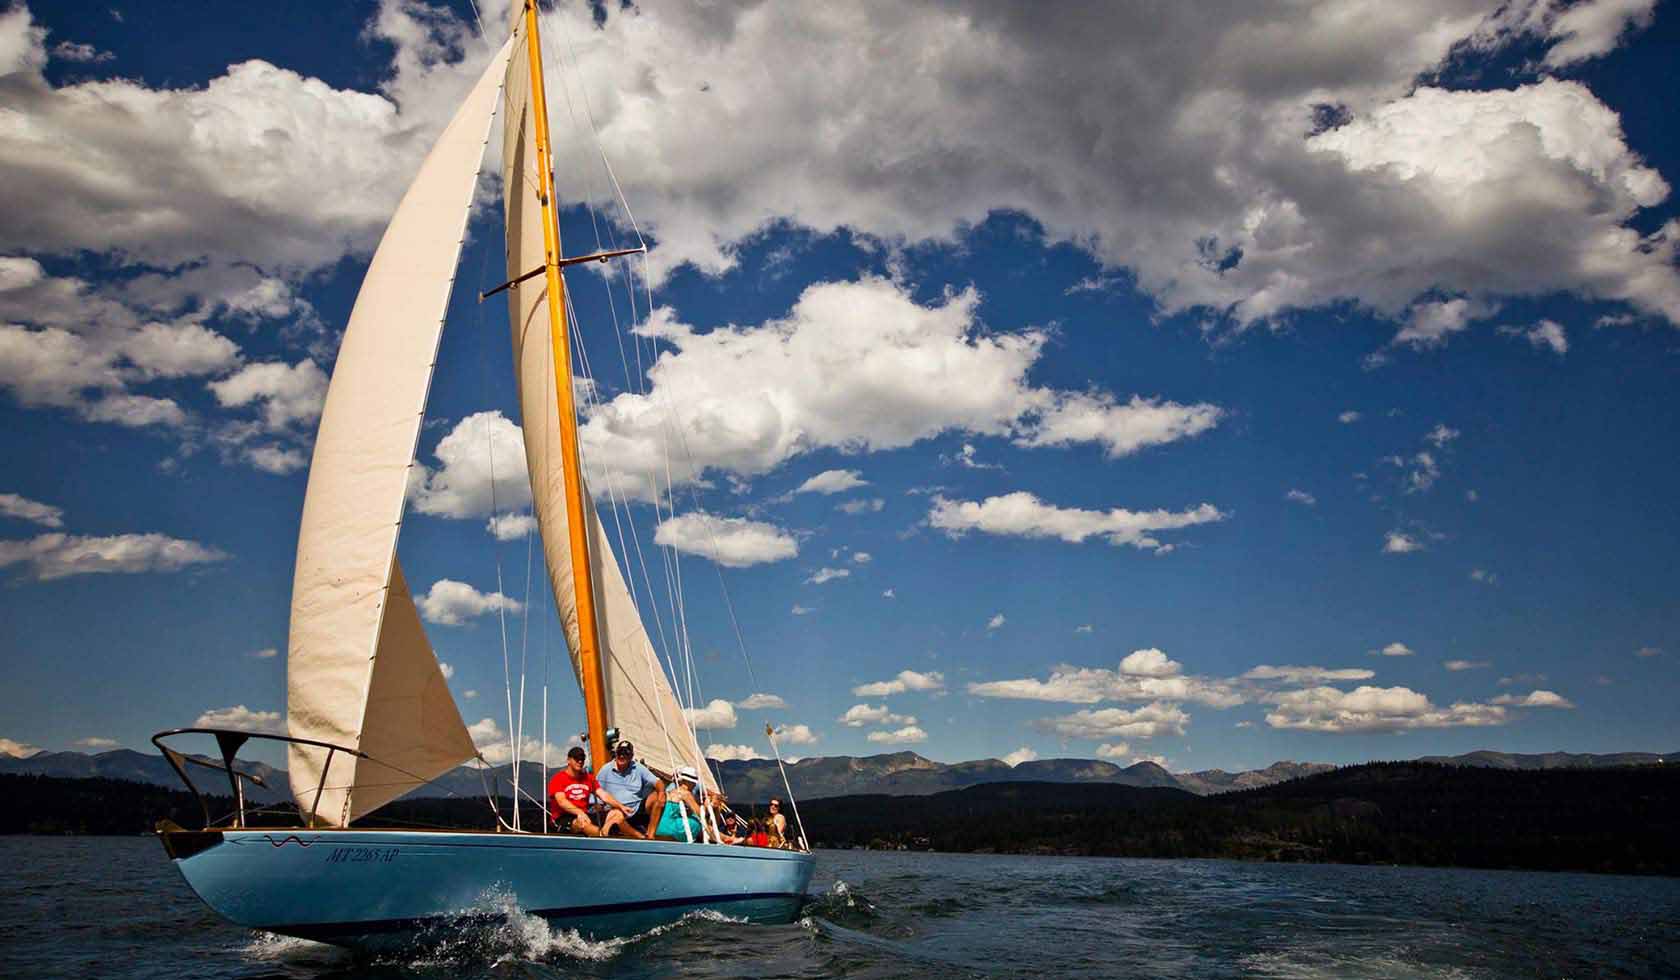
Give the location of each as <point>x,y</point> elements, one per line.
<point>329,833</point>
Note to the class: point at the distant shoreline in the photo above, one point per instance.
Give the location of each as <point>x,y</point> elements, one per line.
<point>1603,820</point>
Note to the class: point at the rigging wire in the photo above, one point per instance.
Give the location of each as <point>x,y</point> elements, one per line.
<point>592,403</point>
<point>501,610</point>
<point>673,418</point>
<point>524,648</point>
<point>770,733</point>
<point>671,560</point>
<point>672,563</point>
<point>591,398</point>
<point>548,580</point>
<point>480,20</point>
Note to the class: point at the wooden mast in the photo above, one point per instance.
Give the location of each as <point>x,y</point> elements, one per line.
<point>589,640</point>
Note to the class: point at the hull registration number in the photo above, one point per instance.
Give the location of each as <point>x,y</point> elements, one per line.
<point>362,855</point>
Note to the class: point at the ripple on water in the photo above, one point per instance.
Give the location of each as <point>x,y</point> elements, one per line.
<point>1315,963</point>
<point>893,915</point>
<point>1120,894</point>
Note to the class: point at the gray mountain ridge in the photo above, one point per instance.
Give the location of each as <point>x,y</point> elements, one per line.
<point>891,774</point>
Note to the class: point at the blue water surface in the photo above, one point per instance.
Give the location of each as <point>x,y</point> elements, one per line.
<point>114,907</point>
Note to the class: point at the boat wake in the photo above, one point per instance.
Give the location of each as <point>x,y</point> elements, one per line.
<point>268,947</point>
<point>496,931</point>
<point>839,906</point>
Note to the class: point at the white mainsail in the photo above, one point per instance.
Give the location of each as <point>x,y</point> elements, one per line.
<point>359,670</point>
<point>639,698</point>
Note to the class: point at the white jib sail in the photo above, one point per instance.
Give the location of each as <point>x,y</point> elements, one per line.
<point>640,702</point>
<point>359,670</point>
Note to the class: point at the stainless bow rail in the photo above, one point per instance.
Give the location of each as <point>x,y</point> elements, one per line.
<point>229,741</point>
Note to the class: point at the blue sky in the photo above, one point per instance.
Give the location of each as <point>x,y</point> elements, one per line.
<point>1217,385</point>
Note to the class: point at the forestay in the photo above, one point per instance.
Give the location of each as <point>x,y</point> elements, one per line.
<point>639,698</point>
<point>360,672</point>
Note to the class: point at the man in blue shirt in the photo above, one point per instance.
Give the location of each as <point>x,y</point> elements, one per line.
<point>638,789</point>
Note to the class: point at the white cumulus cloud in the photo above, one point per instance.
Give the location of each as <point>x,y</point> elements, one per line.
<point>1106,724</point>
<point>1149,663</point>
<point>479,462</point>
<point>734,542</point>
<point>1547,334</point>
<point>760,702</point>
<point>1373,709</point>
<point>716,713</point>
<point>832,481</point>
<point>732,753</point>
<point>55,556</point>
<point>856,367</point>
<point>240,716</point>
<point>288,395</point>
<point>862,505</point>
<point>1020,755</point>
<point>452,603</point>
<point>908,735</point>
<point>796,735</point>
<point>1121,429</point>
<point>1090,685</point>
<point>1411,192</point>
<point>511,527</point>
<point>1405,195</point>
<point>1535,699</point>
<point>1308,675</point>
<point>906,680</point>
<point>278,460</point>
<point>863,715</point>
<point>24,509</point>
<point>16,749</point>
<point>1021,514</point>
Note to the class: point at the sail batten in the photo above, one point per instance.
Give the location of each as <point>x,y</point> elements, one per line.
<point>360,672</point>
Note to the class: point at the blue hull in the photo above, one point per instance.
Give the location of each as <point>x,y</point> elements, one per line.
<point>379,888</point>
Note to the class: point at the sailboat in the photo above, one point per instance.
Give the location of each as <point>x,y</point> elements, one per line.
<point>369,715</point>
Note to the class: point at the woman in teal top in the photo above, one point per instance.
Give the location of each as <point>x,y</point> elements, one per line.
<point>680,819</point>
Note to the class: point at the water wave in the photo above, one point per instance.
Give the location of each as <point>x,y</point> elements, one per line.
<point>841,906</point>
<point>1312,964</point>
<point>495,930</point>
<point>269,947</point>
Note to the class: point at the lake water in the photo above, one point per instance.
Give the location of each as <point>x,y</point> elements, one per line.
<point>114,907</point>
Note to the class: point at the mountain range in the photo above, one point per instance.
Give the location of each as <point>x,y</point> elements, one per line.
<point>892,774</point>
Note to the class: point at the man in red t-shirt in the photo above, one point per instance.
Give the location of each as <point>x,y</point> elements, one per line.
<point>569,790</point>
